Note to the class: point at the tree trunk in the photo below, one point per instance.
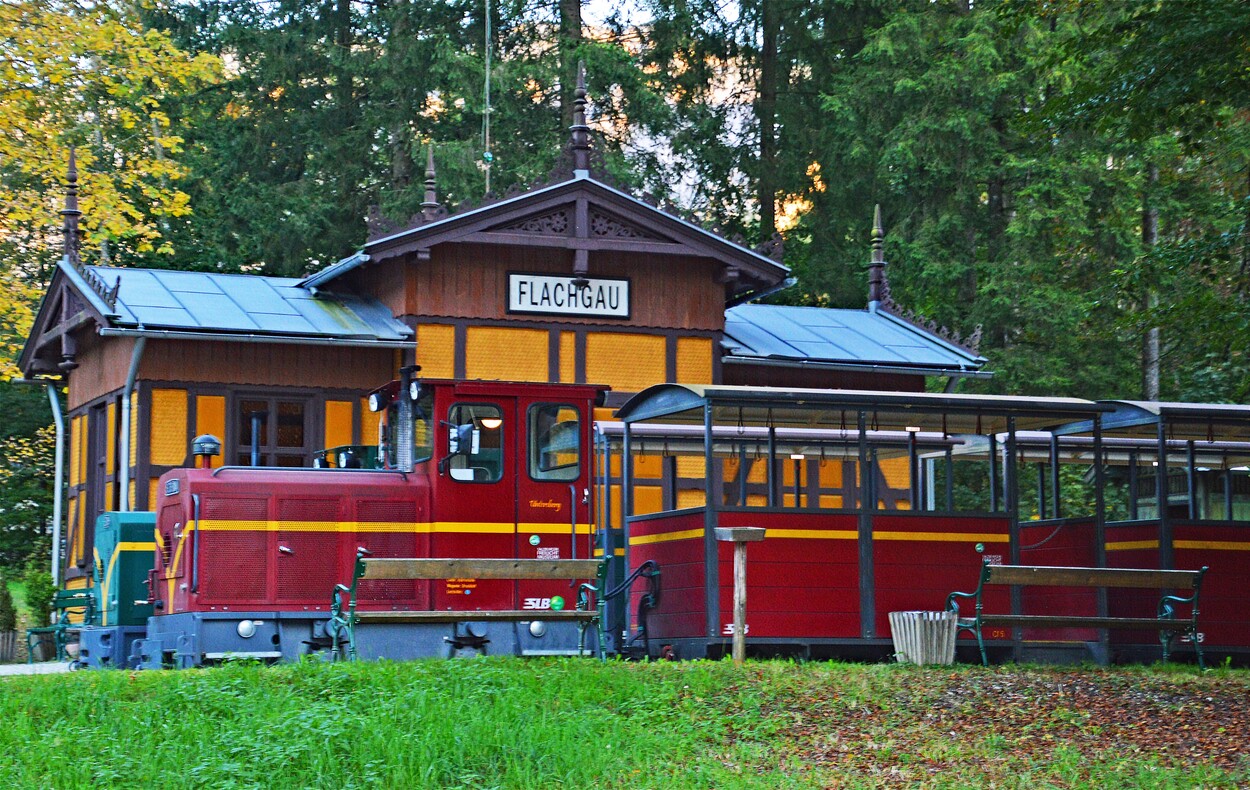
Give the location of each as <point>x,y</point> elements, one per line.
<point>570,39</point>
<point>1149,237</point>
<point>766,112</point>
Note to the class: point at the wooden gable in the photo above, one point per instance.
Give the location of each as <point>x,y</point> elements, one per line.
<point>75,300</point>
<point>584,216</point>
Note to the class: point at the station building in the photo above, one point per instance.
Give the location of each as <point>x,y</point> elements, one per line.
<point>573,281</point>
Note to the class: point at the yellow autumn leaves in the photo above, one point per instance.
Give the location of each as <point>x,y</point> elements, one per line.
<point>84,74</point>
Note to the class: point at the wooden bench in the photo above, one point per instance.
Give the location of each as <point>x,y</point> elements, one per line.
<point>1166,622</point>
<point>344,615</point>
<point>66,605</point>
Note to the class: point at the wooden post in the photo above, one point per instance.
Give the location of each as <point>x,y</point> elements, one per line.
<point>740,536</point>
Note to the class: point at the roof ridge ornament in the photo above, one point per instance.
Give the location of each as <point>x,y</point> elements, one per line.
<point>878,283</point>
<point>71,213</point>
<point>72,233</point>
<point>880,299</point>
<point>579,132</point>
<point>430,206</point>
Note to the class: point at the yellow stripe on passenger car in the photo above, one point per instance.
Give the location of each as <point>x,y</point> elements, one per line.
<point>813,534</point>
<point>1213,545</point>
<point>685,534</point>
<point>943,537</point>
<point>1130,545</point>
<point>833,534</point>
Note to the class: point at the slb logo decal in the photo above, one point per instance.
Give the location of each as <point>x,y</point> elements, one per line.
<point>555,603</point>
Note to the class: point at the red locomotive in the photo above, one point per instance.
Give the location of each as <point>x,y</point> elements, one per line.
<point>247,558</point>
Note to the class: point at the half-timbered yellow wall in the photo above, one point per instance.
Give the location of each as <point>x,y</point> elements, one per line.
<point>169,441</point>
<point>506,354</point>
<point>436,350</point>
<point>210,418</point>
<point>625,361</point>
<point>339,424</point>
<point>694,360</point>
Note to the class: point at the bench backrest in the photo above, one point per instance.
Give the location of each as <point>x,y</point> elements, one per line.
<point>73,599</point>
<point>1042,575</point>
<point>427,568</point>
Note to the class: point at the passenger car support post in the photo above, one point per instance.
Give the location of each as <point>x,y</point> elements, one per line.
<point>740,536</point>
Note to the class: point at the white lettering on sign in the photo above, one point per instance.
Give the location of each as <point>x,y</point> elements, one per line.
<point>729,629</point>
<point>537,603</point>
<point>992,559</point>
<point>541,293</point>
<point>548,552</point>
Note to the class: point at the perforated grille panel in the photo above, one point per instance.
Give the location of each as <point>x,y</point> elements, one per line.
<point>389,544</point>
<point>307,565</point>
<point>296,511</point>
<point>308,549</point>
<point>234,565</point>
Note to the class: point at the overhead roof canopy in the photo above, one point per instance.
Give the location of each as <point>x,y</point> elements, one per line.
<point>1180,421</point>
<point>863,339</point>
<point>810,408</point>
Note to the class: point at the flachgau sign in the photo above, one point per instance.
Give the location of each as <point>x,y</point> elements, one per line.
<point>562,295</point>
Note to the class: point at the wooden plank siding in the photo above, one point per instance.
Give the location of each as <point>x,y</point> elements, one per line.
<point>471,281</point>
<point>255,364</point>
<point>102,366</point>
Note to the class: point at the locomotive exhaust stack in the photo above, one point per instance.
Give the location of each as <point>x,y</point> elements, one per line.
<point>205,448</point>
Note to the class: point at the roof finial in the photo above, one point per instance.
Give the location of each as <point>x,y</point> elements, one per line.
<point>580,137</point>
<point>70,214</point>
<point>429,208</point>
<point>876,269</point>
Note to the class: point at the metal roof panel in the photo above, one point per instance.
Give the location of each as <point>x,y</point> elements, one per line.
<point>217,309</point>
<point>836,335</point>
<point>215,303</point>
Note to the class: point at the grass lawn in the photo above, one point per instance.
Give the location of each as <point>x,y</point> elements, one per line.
<point>18,591</point>
<point>541,723</point>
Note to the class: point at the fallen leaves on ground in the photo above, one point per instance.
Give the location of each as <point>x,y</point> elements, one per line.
<point>994,723</point>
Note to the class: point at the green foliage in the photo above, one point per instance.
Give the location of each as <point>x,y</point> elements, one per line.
<point>8,612</point>
<point>332,107</point>
<point>39,591</point>
<point>1011,143</point>
<point>26,481</point>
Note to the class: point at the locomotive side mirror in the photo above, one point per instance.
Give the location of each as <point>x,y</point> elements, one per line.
<point>461,440</point>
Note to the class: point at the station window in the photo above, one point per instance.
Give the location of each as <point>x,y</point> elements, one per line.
<point>554,442</point>
<point>276,428</point>
<point>475,443</point>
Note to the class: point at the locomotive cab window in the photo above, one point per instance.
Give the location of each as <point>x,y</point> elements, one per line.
<point>475,443</point>
<point>554,442</point>
<point>423,427</point>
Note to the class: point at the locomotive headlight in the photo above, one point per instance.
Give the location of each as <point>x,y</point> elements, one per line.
<point>414,390</point>
<point>246,629</point>
<point>537,629</point>
<point>375,402</point>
